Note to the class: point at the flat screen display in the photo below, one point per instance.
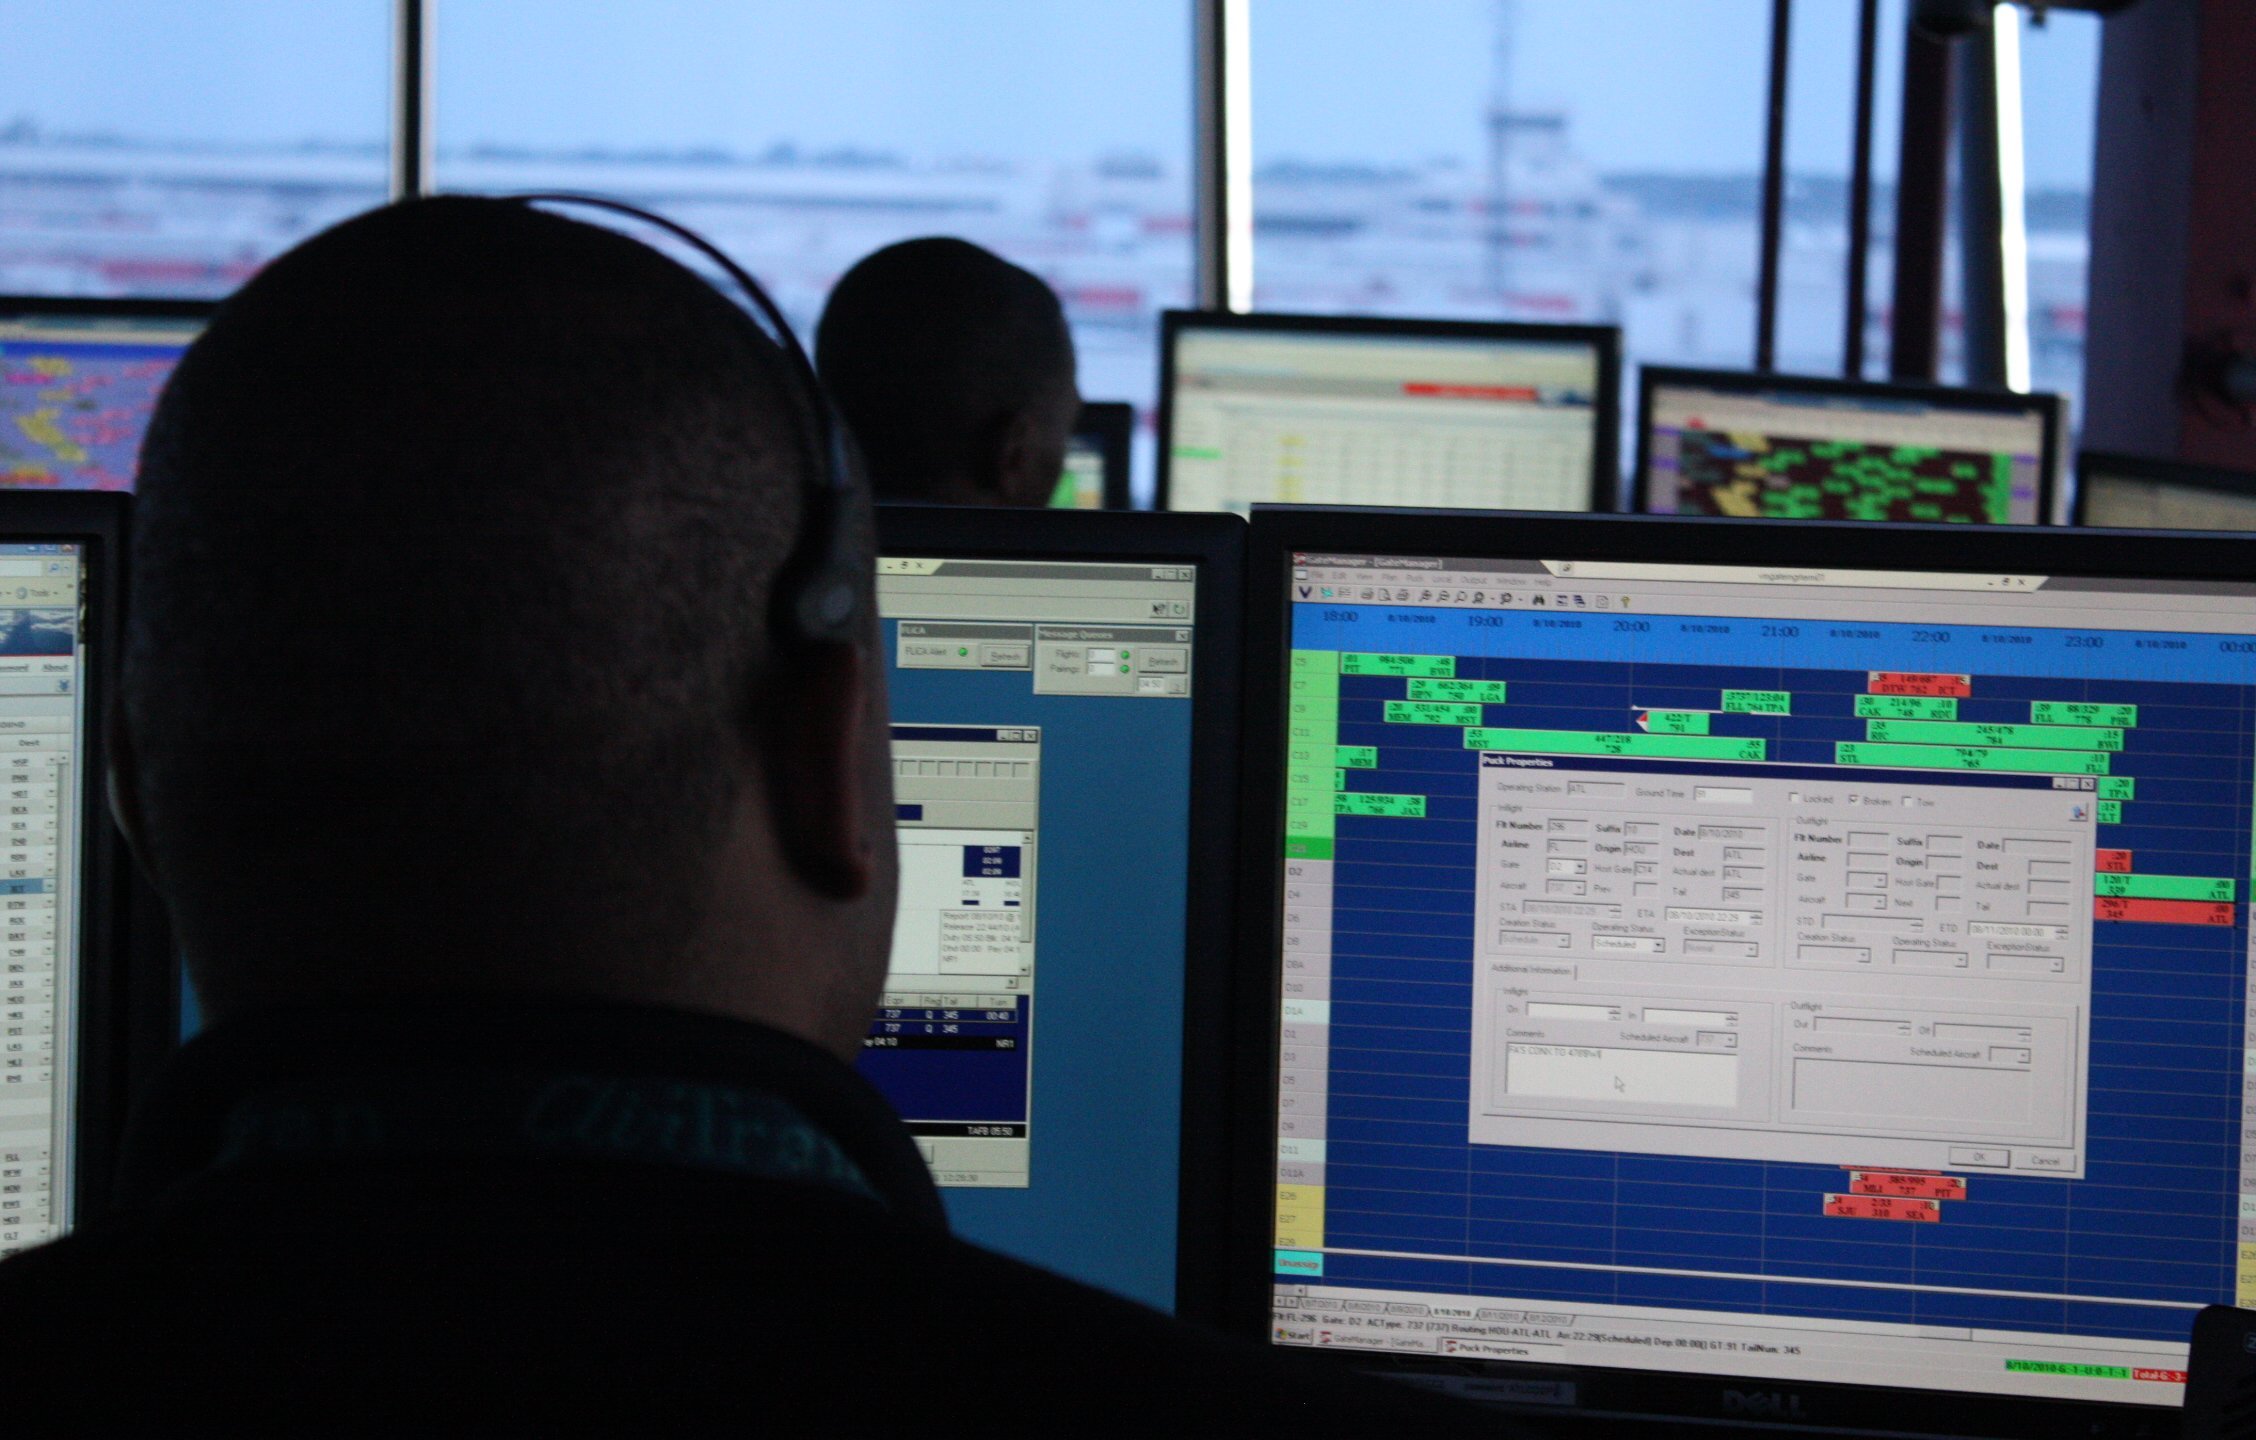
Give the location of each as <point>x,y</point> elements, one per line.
<point>1792,448</point>
<point>44,663</point>
<point>1031,1033</point>
<point>2127,493</point>
<point>78,381</point>
<point>1809,971</point>
<point>1266,409</point>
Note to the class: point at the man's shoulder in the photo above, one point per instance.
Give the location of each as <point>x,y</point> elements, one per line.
<point>721,1295</point>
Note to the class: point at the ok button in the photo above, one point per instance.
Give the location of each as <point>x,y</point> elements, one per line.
<point>1980,1159</point>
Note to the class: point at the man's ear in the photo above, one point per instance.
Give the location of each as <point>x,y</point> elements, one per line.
<point>819,773</point>
<point>1020,468</point>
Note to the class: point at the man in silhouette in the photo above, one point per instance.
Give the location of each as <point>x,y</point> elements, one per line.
<point>955,371</point>
<point>537,878</point>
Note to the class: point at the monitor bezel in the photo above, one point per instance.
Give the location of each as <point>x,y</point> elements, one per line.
<point>1754,382</point>
<point>2214,479</point>
<point>1215,543</point>
<point>1111,426</point>
<point>1605,455</point>
<point>106,307</point>
<point>127,991</point>
<point>1276,533</point>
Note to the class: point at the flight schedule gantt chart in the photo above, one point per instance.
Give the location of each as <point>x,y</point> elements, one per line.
<point>1820,974</point>
<point>1804,448</point>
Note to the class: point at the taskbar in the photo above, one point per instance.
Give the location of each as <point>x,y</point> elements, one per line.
<point>1784,1348</point>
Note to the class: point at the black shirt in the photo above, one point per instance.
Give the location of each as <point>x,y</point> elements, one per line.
<point>639,1221</point>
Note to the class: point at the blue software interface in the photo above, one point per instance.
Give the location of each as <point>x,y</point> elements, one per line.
<point>76,391</point>
<point>1031,1027</point>
<point>1812,974</point>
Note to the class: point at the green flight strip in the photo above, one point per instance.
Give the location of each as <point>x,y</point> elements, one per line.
<point>2166,887</point>
<point>1429,666</point>
<point>2073,712</point>
<point>1479,692</point>
<point>1428,712</point>
<point>1394,807</point>
<point>1587,742</point>
<point>1757,702</point>
<point>1906,707</point>
<point>2035,737</point>
<point>1948,757</point>
<point>1676,722</point>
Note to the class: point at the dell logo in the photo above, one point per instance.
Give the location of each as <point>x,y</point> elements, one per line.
<point>1769,1404</point>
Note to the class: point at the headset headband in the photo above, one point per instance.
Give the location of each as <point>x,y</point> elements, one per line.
<point>818,590</point>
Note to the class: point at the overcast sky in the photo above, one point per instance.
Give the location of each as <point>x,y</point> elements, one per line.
<point>1670,85</point>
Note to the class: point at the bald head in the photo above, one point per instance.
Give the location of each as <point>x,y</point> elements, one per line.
<point>955,370</point>
<point>450,662</point>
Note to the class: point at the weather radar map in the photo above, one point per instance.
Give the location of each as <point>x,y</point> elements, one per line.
<point>1787,478</point>
<point>72,409</point>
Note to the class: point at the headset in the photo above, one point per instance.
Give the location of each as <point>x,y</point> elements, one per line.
<point>817,599</point>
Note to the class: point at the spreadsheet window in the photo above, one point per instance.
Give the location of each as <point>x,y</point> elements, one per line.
<point>1805,973</point>
<point>42,736</point>
<point>1791,455</point>
<point>1379,420</point>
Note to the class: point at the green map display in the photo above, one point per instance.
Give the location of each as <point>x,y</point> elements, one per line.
<point>1787,478</point>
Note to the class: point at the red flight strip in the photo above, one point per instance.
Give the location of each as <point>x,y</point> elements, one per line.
<point>1907,1184</point>
<point>2114,862</point>
<point>2162,912</point>
<point>1883,1207</point>
<point>1900,682</point>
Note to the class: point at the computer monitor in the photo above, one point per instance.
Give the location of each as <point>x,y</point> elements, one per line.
<point>68,996</point>
<point>2132,493</point>
<point>1064,702</point>
<point>1361,411</point>
<point>78,379</point>
<point>1798,447</point>
<point>1096,458</point>
<point>1743,970</point>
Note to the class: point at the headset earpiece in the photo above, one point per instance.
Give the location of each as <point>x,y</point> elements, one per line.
<point>822,581</point>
